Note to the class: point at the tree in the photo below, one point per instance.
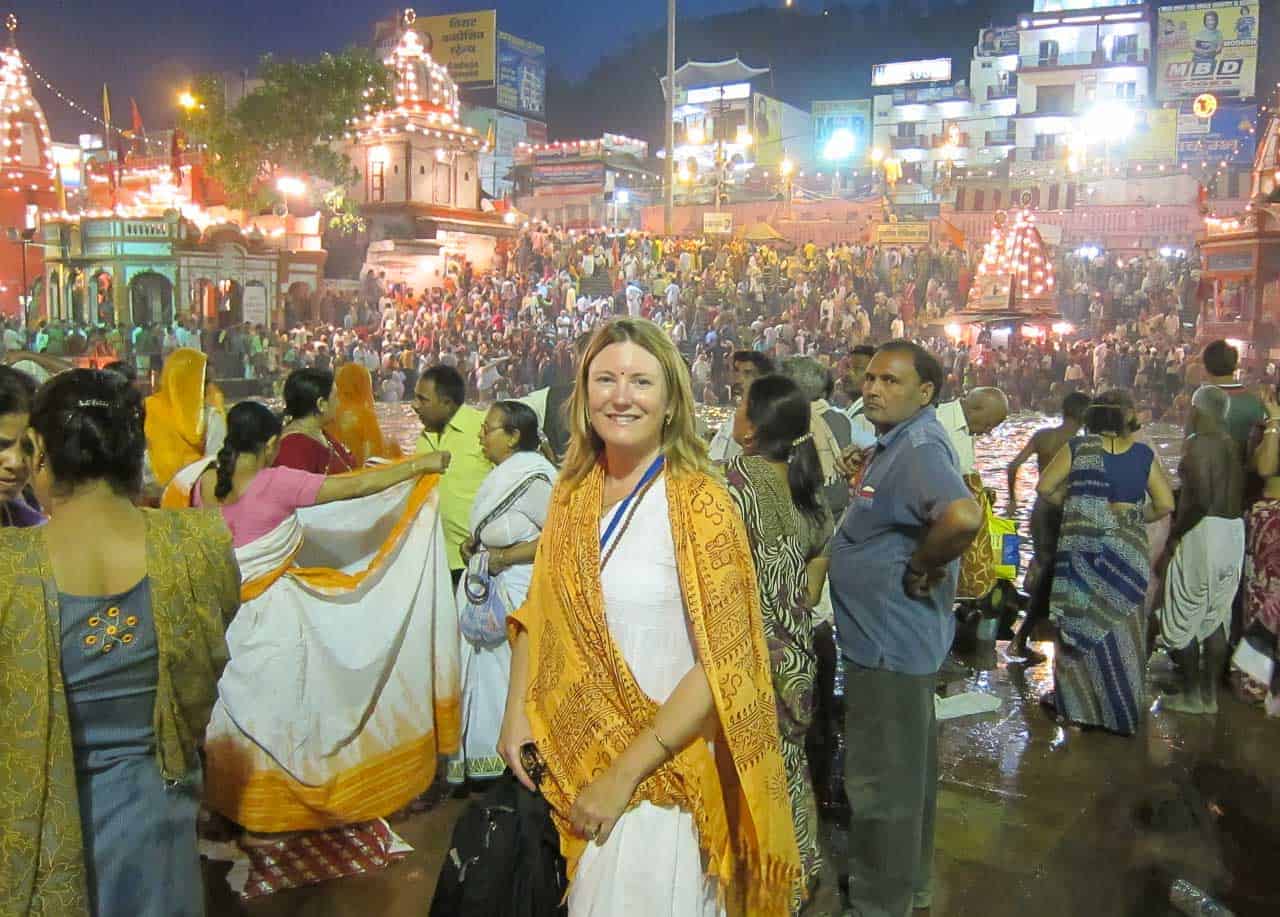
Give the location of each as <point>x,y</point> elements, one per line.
<point>287,124</point>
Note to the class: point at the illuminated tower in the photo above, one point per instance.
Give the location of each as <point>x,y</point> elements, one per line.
<point>27,183</point>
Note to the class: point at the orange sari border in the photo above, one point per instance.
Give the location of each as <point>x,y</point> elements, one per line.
<point>272,801</point>
<point>335,581</point>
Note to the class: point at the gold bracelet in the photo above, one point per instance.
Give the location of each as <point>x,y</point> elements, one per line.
<point>665,747</point>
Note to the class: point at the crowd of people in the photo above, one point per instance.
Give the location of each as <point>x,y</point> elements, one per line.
<point>638,617</point>
<point>510,329</point>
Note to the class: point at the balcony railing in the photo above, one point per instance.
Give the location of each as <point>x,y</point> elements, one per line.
<point>908,143</point>
<point>1002,92</point>
<point>999,138</point>
<point>929,94</point>
<point>1095,58</point>
<point>940,140</point>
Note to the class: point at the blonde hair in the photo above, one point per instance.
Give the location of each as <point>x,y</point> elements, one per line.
<point>685,451</point>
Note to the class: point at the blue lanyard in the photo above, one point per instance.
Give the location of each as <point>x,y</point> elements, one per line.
<point>622,507</point>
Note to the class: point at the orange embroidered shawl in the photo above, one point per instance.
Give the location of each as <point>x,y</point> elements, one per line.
<point>585,706</point>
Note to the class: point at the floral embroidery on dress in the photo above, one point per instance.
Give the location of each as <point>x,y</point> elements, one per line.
<point>109,630</point>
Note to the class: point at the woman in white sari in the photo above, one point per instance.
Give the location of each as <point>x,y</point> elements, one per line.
<point>506,521</point>
<point>342,685</point>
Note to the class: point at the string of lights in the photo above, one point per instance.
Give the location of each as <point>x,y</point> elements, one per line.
<point>81,110</point>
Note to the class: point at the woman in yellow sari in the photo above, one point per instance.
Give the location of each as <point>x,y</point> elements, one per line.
<point>639,666</point>
<point>355,424</point>
<point>175,425</point>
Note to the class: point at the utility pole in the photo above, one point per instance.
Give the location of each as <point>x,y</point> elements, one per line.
<point>669,164</point>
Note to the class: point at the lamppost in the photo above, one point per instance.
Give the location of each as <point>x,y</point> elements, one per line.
<point>669,166</point>
<point>787,168</point>
<point>24,238</point>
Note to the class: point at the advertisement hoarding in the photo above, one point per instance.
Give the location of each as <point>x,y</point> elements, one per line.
<point>900,73</point>
<point>997,41</point>
<point>1226,136</point>
<point>903,233</point>
<point>1155,136</point>
<point>569,173</point>
<point>843,115</point>
<point>717,224</point>
<point>1207,47</point>
<point>465,43</point>
<point>522,76</point>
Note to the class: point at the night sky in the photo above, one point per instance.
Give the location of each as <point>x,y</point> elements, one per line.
<point>149,49</point>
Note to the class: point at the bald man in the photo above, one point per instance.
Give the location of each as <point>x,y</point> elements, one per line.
<point>1205,554</point>
<point>976,414</point>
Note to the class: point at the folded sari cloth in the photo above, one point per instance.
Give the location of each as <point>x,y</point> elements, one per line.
<point>585,705</point>
<point>343,685</point>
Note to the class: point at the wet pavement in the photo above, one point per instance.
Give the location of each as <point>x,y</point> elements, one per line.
<point>1033,818</point>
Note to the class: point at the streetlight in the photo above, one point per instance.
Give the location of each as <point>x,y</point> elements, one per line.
<point>24,238</point>
<point>787,167</point>
<point>187,101</point>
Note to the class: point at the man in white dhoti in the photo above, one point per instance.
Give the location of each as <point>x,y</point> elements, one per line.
<point>1204,555</point>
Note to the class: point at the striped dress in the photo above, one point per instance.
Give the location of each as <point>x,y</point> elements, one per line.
<point>1100,581</point>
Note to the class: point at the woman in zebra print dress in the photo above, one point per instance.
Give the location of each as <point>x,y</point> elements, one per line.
<point>776,486</point>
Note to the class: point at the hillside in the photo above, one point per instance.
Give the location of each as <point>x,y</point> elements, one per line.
<point>812,56</point>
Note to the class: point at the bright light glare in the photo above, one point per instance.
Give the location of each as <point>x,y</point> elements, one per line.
<point>1088,251</point>
<point>1063,328</point>
<point>787,167</point>
<point>187,100</point>
<point>954,330</point>
<point>840,145</point>
<point>291,186</point>
<point>1108,121</point>
<point>623,197</point>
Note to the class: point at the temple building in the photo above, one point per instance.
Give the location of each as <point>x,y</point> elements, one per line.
<point>28,180</point>
<point>418,175</point>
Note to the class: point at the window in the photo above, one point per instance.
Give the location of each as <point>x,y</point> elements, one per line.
<point>395,170</point>
<point>1046,147</point>
<point>377,182</point>
<point>422,170</point>
<point>1126,90</point>
<point>1048,53</point>
<point>1053,197</point>
<point>906,129</point>
<point>1124,50</point>
<point>1055,100</point>
<point>995,200</point>
<point>978,196</point>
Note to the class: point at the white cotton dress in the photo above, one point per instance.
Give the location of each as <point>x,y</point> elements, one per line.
<point>651,864</point>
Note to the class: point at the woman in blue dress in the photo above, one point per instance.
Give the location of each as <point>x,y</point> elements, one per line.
<point>111,641</point>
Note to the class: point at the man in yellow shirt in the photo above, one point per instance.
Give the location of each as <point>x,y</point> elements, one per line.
<point>451,426</point>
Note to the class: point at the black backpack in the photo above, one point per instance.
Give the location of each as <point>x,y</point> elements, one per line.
<point>504,860</point>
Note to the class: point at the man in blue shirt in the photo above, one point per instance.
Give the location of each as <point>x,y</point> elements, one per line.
<point>893,581</point>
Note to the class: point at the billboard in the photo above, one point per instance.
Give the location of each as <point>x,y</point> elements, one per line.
<point>1207,47</point>
<point>717,224</point>
<point>899,73</point>
<point>569,173</point>
<point>1155,135</point>
<point>1226,136</point>
<point>466,43</point>
<point>902,233</point>
<point>522,76</point>
<point>997,41</point>
<point>841,129</point>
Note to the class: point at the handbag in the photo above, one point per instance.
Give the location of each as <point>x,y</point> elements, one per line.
<point>483,619</point>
